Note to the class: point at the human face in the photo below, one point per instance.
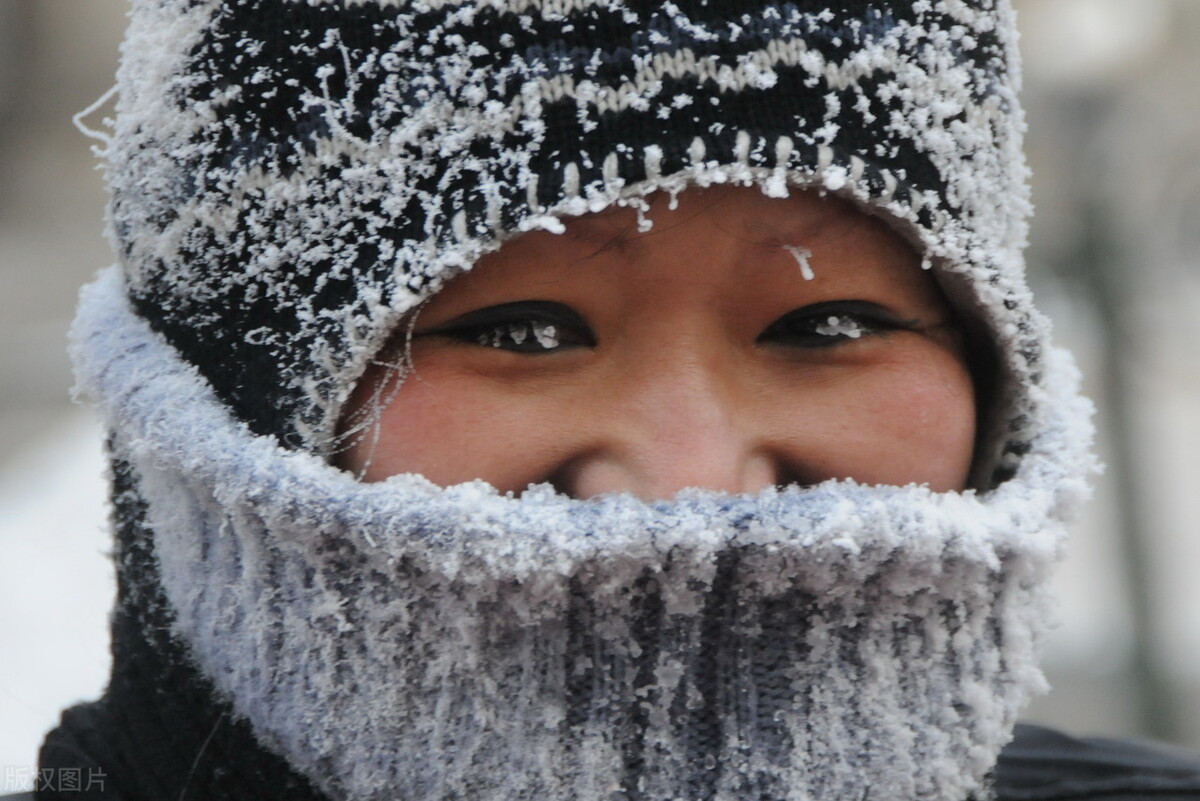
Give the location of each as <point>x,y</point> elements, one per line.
<point>706,352</point>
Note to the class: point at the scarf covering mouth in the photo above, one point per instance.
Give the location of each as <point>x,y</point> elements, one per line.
<point>399,640</point>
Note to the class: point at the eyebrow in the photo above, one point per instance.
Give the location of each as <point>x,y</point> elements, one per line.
<point>828,227</point>
<point>600,238</point>
<point>597,232</point>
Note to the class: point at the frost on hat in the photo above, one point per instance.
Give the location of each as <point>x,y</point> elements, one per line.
<point>290,177</point>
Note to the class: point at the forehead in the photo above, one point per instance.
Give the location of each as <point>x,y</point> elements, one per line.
<point>731,245</point>
<point>742,212</point>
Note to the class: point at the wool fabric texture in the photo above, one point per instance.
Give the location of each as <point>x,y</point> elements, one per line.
<point>289,179</point>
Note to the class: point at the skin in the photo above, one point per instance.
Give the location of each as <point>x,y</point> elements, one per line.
<point>692,355</point>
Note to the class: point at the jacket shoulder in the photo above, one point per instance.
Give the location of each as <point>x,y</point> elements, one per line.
<point>1041,764</point>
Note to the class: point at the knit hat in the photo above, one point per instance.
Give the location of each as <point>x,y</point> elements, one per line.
<point>289,179</point>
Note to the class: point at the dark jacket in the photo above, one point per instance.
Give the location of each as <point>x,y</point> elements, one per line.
<point>1038,765</point>
<point>1045,765</point>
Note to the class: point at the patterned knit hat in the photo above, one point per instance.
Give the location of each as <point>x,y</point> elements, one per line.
<point>290,177</point>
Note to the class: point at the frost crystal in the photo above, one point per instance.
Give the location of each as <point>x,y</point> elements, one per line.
<point>835,326</point>
<point>802,256</point>
<point>546,335</point>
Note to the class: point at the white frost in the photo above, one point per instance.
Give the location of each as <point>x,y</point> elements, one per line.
<point>802,256</point>
<point>836,326</point>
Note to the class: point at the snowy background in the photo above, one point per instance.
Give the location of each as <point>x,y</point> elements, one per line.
<point>1113,97</point>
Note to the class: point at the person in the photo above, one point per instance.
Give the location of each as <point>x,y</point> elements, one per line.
<point>578,400</point>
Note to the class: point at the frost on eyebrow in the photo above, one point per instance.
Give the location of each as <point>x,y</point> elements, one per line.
<point>802,256</point>
<point>611,229</point>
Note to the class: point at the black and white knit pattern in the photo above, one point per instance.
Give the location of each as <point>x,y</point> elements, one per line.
<point>290,177</point>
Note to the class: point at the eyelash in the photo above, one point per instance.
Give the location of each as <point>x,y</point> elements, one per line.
<point>542,327</point>
<point>527,327</point>
<point>826,325</point>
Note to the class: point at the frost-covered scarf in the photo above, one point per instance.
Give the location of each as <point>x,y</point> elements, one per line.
<point>401,641</point>
<point>290,178</point>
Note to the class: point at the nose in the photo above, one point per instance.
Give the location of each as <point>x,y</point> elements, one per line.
<point>679,426</point>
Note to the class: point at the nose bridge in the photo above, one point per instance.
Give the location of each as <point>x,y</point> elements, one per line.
<point>681,394</point>
<point>681,423</point>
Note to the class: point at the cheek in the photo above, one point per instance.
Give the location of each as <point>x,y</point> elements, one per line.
<point>909,419</point>
<point>453,427</point>
<point>917,419</point>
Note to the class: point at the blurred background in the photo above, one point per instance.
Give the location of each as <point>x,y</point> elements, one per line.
<point>1112,92</point>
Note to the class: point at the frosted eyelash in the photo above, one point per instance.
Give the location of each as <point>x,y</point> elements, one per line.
<point>546,334</point>
<point>837,326</point>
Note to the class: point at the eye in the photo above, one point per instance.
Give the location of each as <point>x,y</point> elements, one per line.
<point>525,326</point>
<point>824,325</point>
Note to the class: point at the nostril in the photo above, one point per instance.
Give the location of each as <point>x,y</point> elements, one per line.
<point>561,481</point>
<point>790,478</point>
<point>788,472</point>
<point>599,472</point>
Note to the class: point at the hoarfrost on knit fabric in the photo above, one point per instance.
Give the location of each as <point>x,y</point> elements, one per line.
<point>290,177</point>
<point>401,640</point>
